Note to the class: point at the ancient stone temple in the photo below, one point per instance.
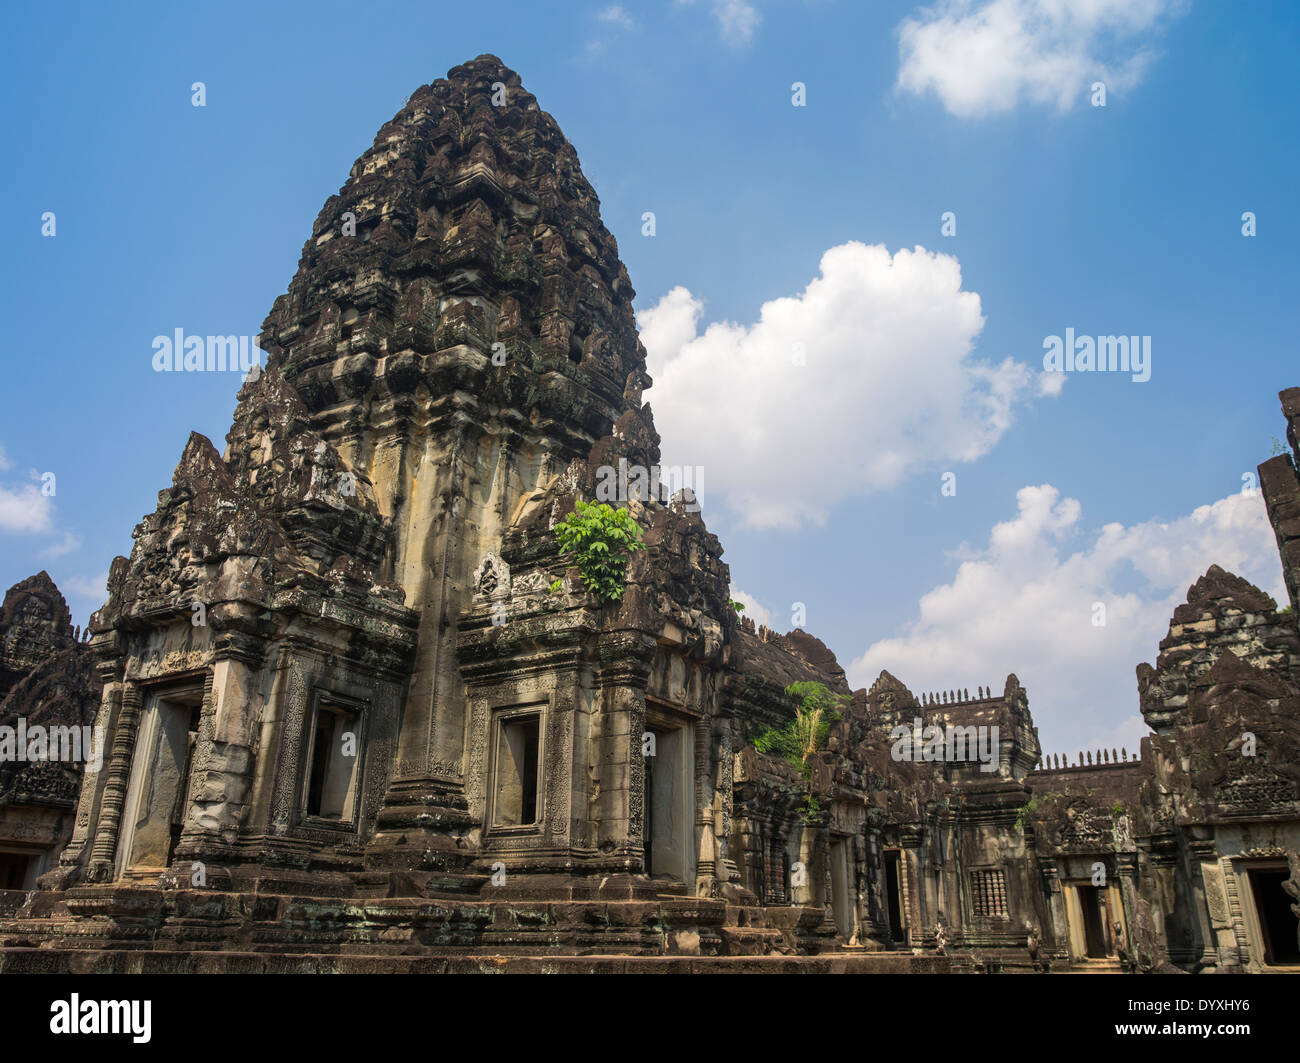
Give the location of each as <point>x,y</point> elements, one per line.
<point>49,696</point>
<point>360,712</point>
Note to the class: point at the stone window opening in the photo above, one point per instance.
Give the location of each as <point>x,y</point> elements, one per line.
<point>349,321</point>
<point>333,759</point>
<point>988,890</point>
<point>515,797</point>
<point>1277,924</point>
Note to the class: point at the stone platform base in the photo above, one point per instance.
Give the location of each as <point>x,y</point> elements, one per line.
<point>62,961</point>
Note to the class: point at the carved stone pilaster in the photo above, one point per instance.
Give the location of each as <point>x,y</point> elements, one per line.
<point>104,849</point>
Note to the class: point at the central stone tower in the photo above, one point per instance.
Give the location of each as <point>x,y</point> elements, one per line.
<point>459,330</point>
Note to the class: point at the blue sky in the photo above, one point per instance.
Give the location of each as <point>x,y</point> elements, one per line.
<point>1123,219</point>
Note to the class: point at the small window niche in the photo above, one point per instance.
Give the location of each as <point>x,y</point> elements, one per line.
<point>335,763</point>
<point>515,797</point>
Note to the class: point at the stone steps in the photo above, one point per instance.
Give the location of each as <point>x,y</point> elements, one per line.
<point>52,961</point>
<point>1106,966</point>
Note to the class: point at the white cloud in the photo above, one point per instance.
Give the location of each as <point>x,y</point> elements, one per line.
<point>737,20</point>
<point>68,542</point>
<point>92,587</point>
<point>754,609</point>
<point>24,509</point>
<point>5,463</point>
<point>616,15</point>
<point>611,21</point>
<point>1024,604</point>
<point>888,386</point>
<point>984,57</point>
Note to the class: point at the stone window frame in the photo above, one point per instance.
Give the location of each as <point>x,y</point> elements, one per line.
<point>996,889</point>
<point>498,717</point>
<point>360,708</point>
<point>1241,868</point>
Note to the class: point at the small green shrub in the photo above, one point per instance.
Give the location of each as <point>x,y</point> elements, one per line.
<point>601,540</point>
<point>804,736</point>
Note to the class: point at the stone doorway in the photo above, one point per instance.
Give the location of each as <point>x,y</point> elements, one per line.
<point>1093,904</point>
<point>668,836</point>
<point>15,871</point>
<point>894,895</point>
<point>157,799</point>
<point>841,904</point>
<point>1277,923</point>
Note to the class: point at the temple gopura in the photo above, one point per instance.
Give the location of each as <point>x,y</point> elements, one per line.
<point>360,714</point>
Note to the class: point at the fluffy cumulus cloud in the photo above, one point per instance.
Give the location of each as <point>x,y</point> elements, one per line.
<point>864,378</point>
<point>988,56</point>
<point>27,509</point>
<point>1026,603</point>
<point>23,508</point>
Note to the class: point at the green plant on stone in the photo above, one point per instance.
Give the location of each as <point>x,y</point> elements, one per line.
<point>601,540</point>
<point>804,736</point>
<point>738,606</point>
<point>1033,805</point>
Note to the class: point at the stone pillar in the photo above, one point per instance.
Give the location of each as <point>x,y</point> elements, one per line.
<point>1221,941</point>
<point>104,849</point>
<point>93,783</point>
<point>1126,872</point>
<point>1056,908</point>
<point>222,774</point>
<point>708,858</point>
<point>912,883</point>
<point>1210,901</point>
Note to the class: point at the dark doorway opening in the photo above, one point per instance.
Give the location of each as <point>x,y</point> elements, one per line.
<point>893,895</point>
<point>1094,926</point>
<point>1277,923</point>
<point>181,804</point>
<point>13,870</point>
